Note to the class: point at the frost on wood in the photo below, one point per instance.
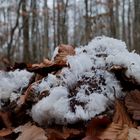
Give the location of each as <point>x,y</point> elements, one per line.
<point>86,88</point>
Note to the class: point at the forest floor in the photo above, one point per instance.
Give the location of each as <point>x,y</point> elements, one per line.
<point>86,93</point>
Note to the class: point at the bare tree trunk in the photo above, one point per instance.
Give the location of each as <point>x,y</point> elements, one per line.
<point>117,24</point>
<point>129,25</point>
<point>123,21</point>
<point>86,22</point>
<point>91,21</point>
<point>112,18</point>
<point>62,30</point>
<point>64,24</point>
<point>46,29</point>
<point>54,24</point>
<point>33,30</point>
<point>13,31</point>
<point>58,22</point>
<point>25,18</point>
<point>136,29</point>
<point>74,34</point>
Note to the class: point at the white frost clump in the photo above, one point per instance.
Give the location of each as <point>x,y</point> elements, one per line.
<point>117,54</point>
<point>84,89</point>
<point>47,83</point>
<point>129,60</point>
<point>56,108</point>
<point>11,83</point>
<point>48,106</point>
<point>55,53</point>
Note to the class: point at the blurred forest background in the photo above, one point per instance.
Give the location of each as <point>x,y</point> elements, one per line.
<point>31,29</point>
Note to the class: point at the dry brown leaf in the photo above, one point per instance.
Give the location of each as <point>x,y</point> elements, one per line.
<point>45,63</point>
<point>90,138</point>
<point>123,135</point>
<point>40,65</point>
<point>30,132</point>
<point>5,117</point>
<point>54,134</point>
<point>6,132</point>
<point>63,52</point>
<point>57,64</point>
<point>97,124</point>
<point>117,130</point>
<point>121,116</point>
<point>43,70</point>
<point>48,66</point>
<point>114,132</point>
<point>134,134</point>
<point>132,102</point>
<point>60,58</point>
<point>24,97</point>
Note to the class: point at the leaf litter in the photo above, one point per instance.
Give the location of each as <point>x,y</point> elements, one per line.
<point>90,92</point>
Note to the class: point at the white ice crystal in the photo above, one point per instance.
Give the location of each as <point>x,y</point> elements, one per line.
<point>129,60</point>
<point>47,83</point>
<point>48,106</point>
<point>85,88</point>
<point>12,83</point>
<point>55,53</point>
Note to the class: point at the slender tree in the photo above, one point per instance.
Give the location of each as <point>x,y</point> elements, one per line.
<point>46,28</point>
<point>129,25</point>
<point>112,18</point>
<point>136,27</point>
<point>54,23</point>
<point>25,18</point>
<point>33,30</point>
<point>123,20</point>
<point>86,22</point>
<point>13,31</point>
<point>117,23</point>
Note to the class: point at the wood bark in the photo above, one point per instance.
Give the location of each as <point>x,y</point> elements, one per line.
<point>136,27</point>
<point>13,31</point>
<point>25,18</point>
